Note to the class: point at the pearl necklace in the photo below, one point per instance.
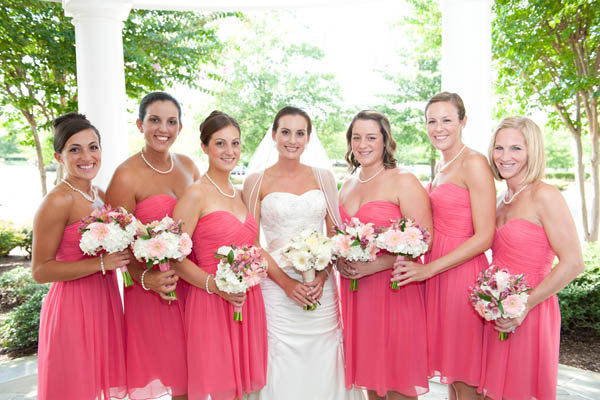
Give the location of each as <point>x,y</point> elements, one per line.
<point>231,196</point>
<point>368,179</point>
<point>513,196</point>
<point>84,194</point>
<point>444,165</point>
<point>155,169</point>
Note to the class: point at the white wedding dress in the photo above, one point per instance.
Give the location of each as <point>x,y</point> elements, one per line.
<point>305,347</point>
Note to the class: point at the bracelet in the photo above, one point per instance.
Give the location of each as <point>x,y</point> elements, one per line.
<point>327,272</point>
<point>102,264</point>
<point>207,279</point>
<point>142,279</point>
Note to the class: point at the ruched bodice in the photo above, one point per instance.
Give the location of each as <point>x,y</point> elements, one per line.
<point>225,229</point>
<point>226,359</point>
<point>153,323</point>
<point>69,250</point>
<point>155,208</point>
<point>523,247</point>
<point>385,338</point>
<point>453,357</point>
<point>451,210</point>
<point>81,350</point>
<point>300,212</point>
<point>525,366</point>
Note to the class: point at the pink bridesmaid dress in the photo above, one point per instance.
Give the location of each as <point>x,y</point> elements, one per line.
<point>156,361</point>
<point>226,358</point>
<point>454,329</point>
<point>384,329</point>
<point>525,366</point>
<point>81,350</point>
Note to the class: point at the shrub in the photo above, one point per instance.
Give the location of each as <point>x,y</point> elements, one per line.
<point>21,327</point>
<point>9,238</point>
<point>564,175</point>
<point>580,300</point>
<point>26,242</point>
<point>16,286</point>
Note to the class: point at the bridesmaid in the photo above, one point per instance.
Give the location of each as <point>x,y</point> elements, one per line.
<point>81,350</point>
<point>533,225</point>
<point>149,184</point>
<point>462,200</point>
<point>226,359</point>
<point>384,329</point>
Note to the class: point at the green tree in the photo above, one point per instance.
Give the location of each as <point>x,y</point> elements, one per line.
<point>37,59</point>
<point>418,81</point>
<point>265,72</point>
<point>548,53</point>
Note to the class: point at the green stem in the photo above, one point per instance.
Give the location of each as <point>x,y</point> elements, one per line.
<point>127,281</point>
<point>353,285</point>
<point>394,285</point>
<point>502,336</point>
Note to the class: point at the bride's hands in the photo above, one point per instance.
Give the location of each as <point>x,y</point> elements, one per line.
<point>316,287</point>
<point>298,292</point>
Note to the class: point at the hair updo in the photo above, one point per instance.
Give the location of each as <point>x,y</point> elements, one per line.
<point>216,121</point>
<point>157,96</point>
<point>68,125</point>
<point>448,97</point>
<point>289,110</point>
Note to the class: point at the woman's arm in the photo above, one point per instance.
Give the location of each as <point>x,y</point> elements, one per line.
<point>48,228</point>
<point>482,195</point>
<point>560,229</point>
<point>294,289</point>
<point>121,193</point>
<point>189,209</point>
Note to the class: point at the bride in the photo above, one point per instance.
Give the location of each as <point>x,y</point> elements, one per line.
<point>305,358</point>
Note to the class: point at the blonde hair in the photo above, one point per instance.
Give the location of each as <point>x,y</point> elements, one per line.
<point>534,141</point>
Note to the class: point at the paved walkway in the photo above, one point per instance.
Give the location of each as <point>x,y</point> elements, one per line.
<point>18,381</point>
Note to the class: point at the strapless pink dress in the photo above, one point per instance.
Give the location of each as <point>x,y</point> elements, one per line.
<point>454,329</point>
<point>156,362</point>
<point>226,358</point>
<point>384,329</point>
<point>81,350</point>
<point>525,366</point>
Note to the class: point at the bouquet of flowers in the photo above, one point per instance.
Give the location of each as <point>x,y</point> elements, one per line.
<point>355,241</point>
<point>498,294</point>
<point>110,230</point>
<point>309,252</point>
<point>239,269</point>
<point>160,241</point>
<point>404,237</point>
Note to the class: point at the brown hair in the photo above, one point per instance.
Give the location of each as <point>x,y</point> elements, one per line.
<point>289,110</point>
<point>389,144</point>
<point>217,120</point>
<point>448,97</point>
<point>68,125</point>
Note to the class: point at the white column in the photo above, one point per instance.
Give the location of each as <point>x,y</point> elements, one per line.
<point>467,64</point>
<point>101,74</point>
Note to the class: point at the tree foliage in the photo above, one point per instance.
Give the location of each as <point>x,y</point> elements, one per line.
<point>418,81</point>
<point>265,72</point>
<point>548,55</point>
<point>37,59</point>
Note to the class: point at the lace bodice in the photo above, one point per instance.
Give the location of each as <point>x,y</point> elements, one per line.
<point>284,215</point>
